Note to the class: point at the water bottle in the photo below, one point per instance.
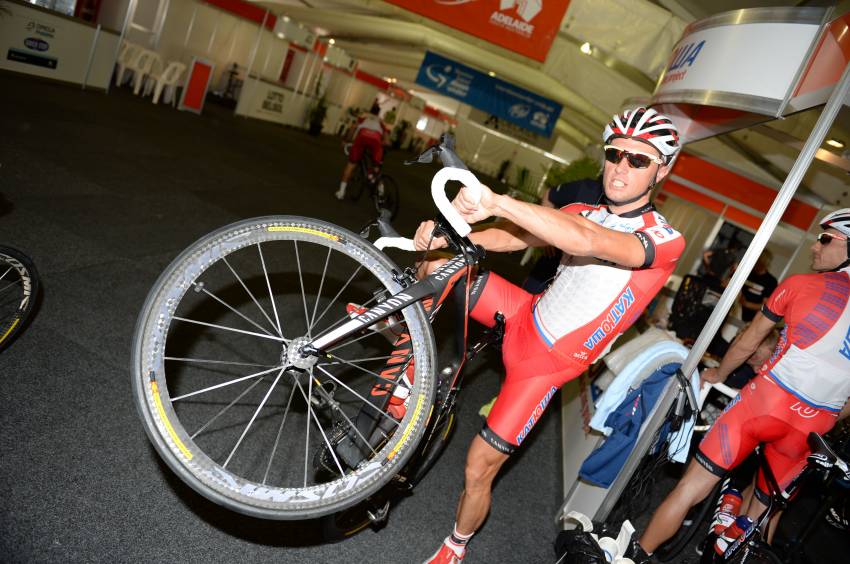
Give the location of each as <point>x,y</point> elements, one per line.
<point>730,505</point>
<point>732,533</point>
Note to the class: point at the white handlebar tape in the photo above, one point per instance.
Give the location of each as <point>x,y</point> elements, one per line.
<point>438,193</point>
<point>402,243</point>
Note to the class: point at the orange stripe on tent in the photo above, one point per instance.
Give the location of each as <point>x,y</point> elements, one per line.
<point>691,195</point>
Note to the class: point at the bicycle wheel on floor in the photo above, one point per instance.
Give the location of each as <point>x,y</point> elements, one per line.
<point>228,401</point>
<point>19,287</point>
<point>385,195</point>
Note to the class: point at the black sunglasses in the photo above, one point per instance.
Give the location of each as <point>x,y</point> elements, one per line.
<point>825,238</point>
<point>636,160</point>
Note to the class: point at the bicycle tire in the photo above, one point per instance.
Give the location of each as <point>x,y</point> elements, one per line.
<point>385,195</point>
<point>19,290</point>
<point>442,433</point>
<point>698,517</point>
<point>193,418</point>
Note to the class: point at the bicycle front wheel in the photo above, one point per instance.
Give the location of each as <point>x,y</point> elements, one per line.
<point>234,408</point>
<point>385,195</point>
<point>19,285</point>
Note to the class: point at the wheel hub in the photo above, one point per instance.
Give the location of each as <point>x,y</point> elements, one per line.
<point>293,355</point>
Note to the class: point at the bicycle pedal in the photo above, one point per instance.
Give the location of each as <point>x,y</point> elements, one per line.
<point>378,516</point>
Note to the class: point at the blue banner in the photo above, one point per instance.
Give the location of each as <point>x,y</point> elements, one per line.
<point>502,99</point>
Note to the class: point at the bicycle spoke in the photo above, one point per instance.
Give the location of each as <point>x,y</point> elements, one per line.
<point>279,433</point>
<point>222,327</point>
<point>319,425</point>
<point>341,290</point>
<point>228,306</point>
<point>301,283</point>
<point>254,417</point>
<point>364,400</point>
<point>309,414</point>
<point>228,383</point>
<point>351,423</point>
<point>269,286</point>
<point>356,360</point>
<point>370,372</point>
<point>210,361</point>
<point>319,294</point>
<point>367,333</point>
<point>225,408</point>
<point>249,293</point>
<point>18,282</point>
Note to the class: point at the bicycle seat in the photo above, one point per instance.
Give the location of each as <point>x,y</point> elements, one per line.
<point>822,454</point>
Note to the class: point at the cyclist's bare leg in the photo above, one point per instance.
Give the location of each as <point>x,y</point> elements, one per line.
<point>753,508</point>
<point>482,465</point>
<point>348,171</point>
<point>429,265</point>
<point>346,176</point>
<point>694,486</point>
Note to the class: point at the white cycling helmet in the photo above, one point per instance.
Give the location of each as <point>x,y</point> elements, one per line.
<point>648,125</point>
<point>839,219</point>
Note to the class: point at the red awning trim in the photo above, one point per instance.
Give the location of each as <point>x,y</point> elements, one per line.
<point>245,10</point>
<point>741,189</point>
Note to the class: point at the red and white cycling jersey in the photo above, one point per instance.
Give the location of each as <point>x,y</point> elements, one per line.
<point>812,358</point>
<point>592,301</point>
<point>370,125</point>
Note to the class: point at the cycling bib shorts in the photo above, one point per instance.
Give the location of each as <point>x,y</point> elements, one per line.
<point>367,139</point>
<point>764,413</point>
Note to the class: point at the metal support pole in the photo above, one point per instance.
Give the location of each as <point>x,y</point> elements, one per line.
<point>804,240</point>
<point>91,56</point>
<point>131,9</point>
<point>160,24</point>
<point>251,61</point>
<point>190,26</point>
<point>714,322</point>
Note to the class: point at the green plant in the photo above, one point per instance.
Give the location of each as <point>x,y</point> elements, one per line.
<point>316,118</point>
<point>399,132</point>
<point>576,170</point>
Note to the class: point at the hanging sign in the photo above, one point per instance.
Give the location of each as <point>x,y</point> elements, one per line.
<point>527,27</point>
<point>492,95</point>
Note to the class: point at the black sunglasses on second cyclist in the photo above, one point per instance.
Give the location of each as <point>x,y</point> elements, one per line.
<point>615,154</point>
<point>826,238</point>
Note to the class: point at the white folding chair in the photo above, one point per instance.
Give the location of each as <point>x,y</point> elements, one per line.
<point>168,79</point>
<point>126,58</point>
<point>142,68</point>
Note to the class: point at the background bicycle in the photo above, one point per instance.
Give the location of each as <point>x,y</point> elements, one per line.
<point>383,189</point>
<point>19,290</point>
<point>694,542</point>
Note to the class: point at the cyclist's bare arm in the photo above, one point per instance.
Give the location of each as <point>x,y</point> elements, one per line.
<point>500,237</point>
<point>571,233</point>
<point>741,349</point>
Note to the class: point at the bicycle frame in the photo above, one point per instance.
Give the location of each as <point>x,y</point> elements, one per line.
<point>778,501</point>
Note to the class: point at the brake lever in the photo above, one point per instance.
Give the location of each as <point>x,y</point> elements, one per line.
<point>426,157</point>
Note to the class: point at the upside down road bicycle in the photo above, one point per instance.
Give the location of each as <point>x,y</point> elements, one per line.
<point>263,373</point>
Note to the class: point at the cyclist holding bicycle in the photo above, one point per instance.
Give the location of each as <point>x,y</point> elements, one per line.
<point>618,252</point>
<point>369,133</point>
<point>802,388</point>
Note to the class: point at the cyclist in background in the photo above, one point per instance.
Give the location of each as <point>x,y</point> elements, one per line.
<point>369,133</point>
<point>618,252</point>
<point>802,388</point>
